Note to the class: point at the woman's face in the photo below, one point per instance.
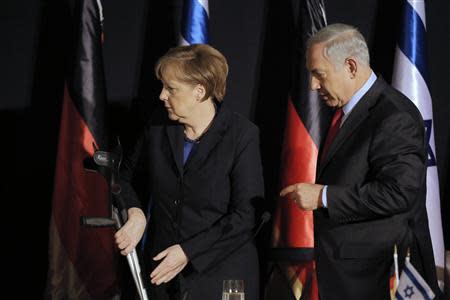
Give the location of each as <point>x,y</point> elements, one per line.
<point>180,98</point>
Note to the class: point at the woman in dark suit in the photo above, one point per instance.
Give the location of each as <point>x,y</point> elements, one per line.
<point>205,175</point>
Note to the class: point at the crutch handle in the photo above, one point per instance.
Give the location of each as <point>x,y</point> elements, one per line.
<point>97,222</point>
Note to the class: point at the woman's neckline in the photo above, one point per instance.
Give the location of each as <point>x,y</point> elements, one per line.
<point>197,140</point>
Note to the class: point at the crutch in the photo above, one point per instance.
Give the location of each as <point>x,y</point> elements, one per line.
<point>108,165</point>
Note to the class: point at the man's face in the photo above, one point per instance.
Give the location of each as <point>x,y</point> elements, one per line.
<point>333,83</point>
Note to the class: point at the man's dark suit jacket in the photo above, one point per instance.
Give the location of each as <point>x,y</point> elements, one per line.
<point>375,170</point>
<point>205,205</point>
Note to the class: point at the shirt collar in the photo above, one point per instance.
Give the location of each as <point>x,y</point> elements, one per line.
<point>347,108</point>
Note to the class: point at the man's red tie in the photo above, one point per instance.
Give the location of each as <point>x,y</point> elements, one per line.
<point>334,128</point>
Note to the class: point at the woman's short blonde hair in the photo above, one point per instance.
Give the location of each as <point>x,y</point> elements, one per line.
<point>196,64</point>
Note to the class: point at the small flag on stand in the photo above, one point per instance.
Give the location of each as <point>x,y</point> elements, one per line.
<point>412,286</point>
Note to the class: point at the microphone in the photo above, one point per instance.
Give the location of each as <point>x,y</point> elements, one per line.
<point>264,218</point>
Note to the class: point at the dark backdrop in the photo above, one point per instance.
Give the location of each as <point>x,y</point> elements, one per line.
<point>254,36</point>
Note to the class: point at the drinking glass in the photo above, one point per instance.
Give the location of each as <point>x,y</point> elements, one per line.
<point>233,289</point>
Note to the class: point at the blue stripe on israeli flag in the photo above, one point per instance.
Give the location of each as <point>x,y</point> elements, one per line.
<point>411,41</point>
<point>412,286</point>
<point>416,283</point>
<point>411,78</point>
<point>398,296</point>
<point>194,28</point>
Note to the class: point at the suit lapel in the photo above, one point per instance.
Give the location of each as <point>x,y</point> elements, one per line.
<point>211,138</point>
<point>175,136</point>
<point>358,114</point>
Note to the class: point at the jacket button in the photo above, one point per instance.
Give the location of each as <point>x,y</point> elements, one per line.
<point>176,202</point>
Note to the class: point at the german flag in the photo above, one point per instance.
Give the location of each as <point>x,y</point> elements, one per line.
<point>293,273</point>
<point>83,262</point>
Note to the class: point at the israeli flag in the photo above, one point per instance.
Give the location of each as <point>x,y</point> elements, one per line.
<point>412,286</point>
<point>411,78</point>
<point>194,27</point>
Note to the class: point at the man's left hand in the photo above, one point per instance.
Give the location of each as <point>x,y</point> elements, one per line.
<point>305,195</point>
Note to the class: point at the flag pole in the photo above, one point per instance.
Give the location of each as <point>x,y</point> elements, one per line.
<point>397,279</point>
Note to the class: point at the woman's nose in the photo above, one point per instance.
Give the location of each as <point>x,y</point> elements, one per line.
<point>163,95</point>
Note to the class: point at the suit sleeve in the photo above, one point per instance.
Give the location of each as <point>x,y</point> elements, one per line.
<point>396,163</point>
<point>127,170</point>
<point>235,228</point>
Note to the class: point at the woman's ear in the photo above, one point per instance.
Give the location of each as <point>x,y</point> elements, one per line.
<point>200,92</point>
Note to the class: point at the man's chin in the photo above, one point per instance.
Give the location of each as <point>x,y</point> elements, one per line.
<point>331,102</point>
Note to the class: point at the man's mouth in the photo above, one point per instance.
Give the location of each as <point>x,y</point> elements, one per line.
<point>324,96</point>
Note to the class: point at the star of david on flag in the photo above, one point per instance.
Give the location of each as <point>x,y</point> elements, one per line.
<point>412,286</point>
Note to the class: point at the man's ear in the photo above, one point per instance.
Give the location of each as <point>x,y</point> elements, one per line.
<point>352,66</point>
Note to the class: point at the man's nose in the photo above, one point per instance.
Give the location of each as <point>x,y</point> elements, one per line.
<point>314,83</point>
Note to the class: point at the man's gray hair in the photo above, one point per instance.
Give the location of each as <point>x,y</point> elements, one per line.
<point>341,41</point>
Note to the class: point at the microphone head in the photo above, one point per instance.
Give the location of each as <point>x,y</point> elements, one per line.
<point>265,217</point>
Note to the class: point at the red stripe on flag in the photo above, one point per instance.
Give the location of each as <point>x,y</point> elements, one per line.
<point>77,193</point>
<point>299,158</point>
<point>306,273</point>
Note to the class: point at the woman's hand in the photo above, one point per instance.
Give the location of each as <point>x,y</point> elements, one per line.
<point>131,233</point>
<point>173,263</point>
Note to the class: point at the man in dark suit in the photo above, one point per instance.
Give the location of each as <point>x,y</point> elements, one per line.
<point>370,191</point>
